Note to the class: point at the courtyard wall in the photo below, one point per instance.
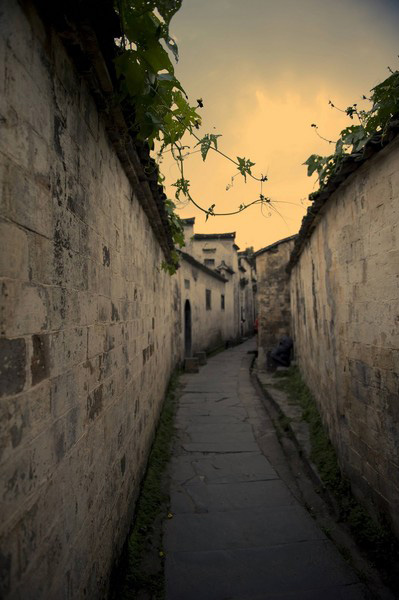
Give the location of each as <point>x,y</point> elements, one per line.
<point>345,310</point>
<point>91,326</point>
<point>247,291</point>
<point>273,295</point>
<point>88,333</point>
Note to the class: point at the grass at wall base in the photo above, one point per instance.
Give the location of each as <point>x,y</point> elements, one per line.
<point>374,538</point>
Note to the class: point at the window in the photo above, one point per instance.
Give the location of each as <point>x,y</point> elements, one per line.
<point>222,301</point>
<point>187,284</point>
<point>208,299</point>
<point>210,262</point>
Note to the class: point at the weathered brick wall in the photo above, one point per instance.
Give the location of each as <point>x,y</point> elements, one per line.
<point>345,305</point>
<point>87,343</point>
<point>247,296</point>
<point>273,295</point>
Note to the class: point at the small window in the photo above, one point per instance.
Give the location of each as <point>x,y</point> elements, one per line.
<point>210,262</point>
<point>208,299</point>
<point>187,284</point>
<point>222,301</point>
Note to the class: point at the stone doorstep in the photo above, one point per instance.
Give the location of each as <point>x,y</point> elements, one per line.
<point>191,364</point>
<point>201,357</point>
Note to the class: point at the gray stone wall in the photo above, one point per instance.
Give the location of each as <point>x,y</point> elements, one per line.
<point>345,306</point>
<point>273,295</point>
<point>87,328</point>
<point>247,296</point>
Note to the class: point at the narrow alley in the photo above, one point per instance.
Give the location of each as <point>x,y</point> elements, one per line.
<point>153,214</point>
<point>237,531</point>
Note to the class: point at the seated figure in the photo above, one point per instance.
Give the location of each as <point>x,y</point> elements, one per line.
<point>280,355</point>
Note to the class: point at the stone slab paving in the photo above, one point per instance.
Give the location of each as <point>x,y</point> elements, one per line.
<point>237,532</point>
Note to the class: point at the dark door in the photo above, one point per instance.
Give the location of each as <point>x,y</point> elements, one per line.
<point>187,329</point>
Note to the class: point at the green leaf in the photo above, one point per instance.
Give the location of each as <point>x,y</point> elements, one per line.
<point>175,223</point>
<point>169,267</point>
<point>361,143</point>
<point>314,163</point>
<point>186,114</point>
<point>128,66</point>
<point>141,29</point>
<point>168,82</point>
<point>244,166</point>
<point>214,139</point>
<point>182,186</point>
<point>167,8</point>
<point>350,111</point>
<point>355,136</point>
<point>156,57</point>
<point>339,147</point>
<point>171,44</point>
<point>206,143</point>
<point>173,130</point>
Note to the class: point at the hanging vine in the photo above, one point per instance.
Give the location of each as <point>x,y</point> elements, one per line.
<point>160,111</point>
<point>384,108</point>
<point>159,107</point>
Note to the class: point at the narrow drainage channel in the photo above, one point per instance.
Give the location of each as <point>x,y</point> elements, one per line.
<point>382,583</point>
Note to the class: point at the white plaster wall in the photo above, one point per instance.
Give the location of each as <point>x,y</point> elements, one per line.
<point>226,252</point>
<point>208,326</point>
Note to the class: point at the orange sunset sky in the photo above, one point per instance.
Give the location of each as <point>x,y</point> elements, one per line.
<point>265,71</point>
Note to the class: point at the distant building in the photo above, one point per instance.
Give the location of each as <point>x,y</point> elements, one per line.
<point>228,282</point>
<point>205,313</point>
<point>247,293</point>
<point>273,294</point>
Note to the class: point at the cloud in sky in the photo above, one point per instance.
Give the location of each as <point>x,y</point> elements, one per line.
<point>266,71</point>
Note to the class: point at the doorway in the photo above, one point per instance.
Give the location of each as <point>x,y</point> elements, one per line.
<point>187,329</point>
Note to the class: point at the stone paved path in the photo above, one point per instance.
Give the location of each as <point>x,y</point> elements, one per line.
<point>237,531</point>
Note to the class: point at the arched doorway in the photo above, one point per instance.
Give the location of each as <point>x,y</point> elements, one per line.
<point>187,329</point>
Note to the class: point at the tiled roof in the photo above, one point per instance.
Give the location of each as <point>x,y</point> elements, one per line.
<point>274,245</point>
<point>215,236</point>
<point>225,267</point>
<point>193,261</point>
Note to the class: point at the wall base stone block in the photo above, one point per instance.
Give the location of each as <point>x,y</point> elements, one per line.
<point>191,365</point>
<point>201,357</point>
